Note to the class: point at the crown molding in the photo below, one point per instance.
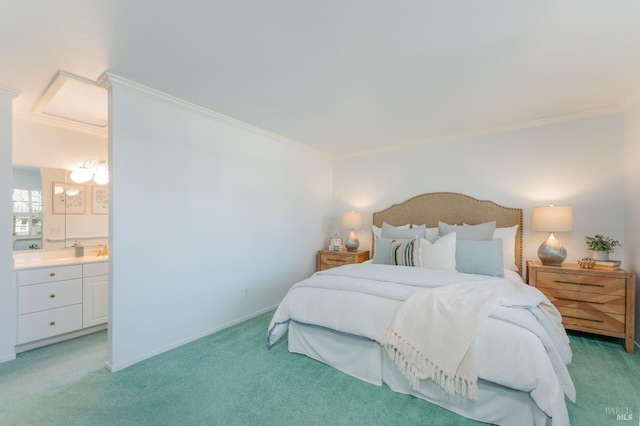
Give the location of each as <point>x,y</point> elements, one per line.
<point>631,99</point>
<point>49,120</point>
<point>8,92</point>
<point>109,81</point>
<point>492,130</point>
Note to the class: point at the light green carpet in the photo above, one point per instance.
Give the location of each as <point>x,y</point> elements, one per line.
<point>230,378</point>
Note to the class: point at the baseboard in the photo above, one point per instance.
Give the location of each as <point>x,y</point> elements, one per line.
<point>128,363</point>
<point>59,338</point>
<point>9,357</point>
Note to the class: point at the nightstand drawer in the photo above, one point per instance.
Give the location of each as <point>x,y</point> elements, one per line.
<point>589,301</point>
<point>328,259</point>
<point>601,321</point>
<point>582,283</point>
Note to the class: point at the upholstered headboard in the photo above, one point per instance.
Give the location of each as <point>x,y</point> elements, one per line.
<point>452,208</point>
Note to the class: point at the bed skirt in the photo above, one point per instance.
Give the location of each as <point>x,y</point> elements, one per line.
<point>366,360</point>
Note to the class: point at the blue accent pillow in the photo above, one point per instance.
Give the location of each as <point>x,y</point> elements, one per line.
<point>480,257</point>
<point>382,255</point>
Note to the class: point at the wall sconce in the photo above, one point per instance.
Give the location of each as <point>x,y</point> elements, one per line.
<point>352,220</point>
<point>99,171</point>
<point>552,219</point>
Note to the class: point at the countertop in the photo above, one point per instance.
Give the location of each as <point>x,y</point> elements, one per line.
<point>42,263</point>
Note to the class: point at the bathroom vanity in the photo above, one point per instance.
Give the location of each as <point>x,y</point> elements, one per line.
<point>59,298</point>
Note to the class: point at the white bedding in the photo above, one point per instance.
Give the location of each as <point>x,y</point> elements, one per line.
<point>358,301</point>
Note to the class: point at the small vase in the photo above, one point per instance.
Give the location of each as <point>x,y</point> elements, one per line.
<point>601,255</point>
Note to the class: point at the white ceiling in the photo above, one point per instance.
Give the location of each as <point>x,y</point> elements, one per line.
<point>341,76</point>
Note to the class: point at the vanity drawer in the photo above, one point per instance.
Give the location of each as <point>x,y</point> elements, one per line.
<point>49,323</point>
<point>49,274</point>
<point>39,297</point>
<point>95,269</point>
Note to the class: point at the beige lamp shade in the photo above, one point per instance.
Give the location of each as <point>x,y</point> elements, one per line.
<point>552,219</point>
<point>352,220</point>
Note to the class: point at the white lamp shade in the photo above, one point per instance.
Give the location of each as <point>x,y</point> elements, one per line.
<point>81,175</point>
<point>101,177</point>
<point>72,191</point>
<point>552,219</point>
<point>352,220</point>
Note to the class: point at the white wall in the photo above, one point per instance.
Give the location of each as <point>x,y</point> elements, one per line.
<point>7,292</point>
<point>632,176</point>
<point>223,211</point>
<point>40,145</point>
<point>577,163</point>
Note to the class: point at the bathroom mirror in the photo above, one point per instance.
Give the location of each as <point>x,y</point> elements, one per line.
<point>52,212</point>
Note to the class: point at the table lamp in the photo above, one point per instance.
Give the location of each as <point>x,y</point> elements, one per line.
<point>352,220</point>
<point>552,219</point>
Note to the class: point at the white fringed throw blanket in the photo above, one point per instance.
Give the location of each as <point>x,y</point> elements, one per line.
<point>432,334</point>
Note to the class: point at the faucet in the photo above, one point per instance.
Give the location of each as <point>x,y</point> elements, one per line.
<point>103,252</point>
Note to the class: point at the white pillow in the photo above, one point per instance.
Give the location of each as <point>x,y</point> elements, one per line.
<point>441,254</point>
<point>508,236</point>
<point>432,233</point>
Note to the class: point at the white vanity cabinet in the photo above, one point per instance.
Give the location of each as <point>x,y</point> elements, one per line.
<point>95,294</point>
<point>49,302</point>
<point>59,302</point>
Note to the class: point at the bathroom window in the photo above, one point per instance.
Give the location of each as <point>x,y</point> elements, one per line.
<point>27,212</point>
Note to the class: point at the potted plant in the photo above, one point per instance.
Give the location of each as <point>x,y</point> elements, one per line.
<point>602,246</point>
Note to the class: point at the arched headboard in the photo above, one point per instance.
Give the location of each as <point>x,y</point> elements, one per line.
<point>452,208</point>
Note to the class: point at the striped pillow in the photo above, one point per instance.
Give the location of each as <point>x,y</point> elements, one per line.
<point>406,254</point>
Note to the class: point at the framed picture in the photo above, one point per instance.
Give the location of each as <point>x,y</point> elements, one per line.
<point>99,199</point>
<point>68,198</point>
<point>335,243</point>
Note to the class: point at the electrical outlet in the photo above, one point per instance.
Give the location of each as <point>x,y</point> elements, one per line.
<point>246,292</point>
<point>56,230</point>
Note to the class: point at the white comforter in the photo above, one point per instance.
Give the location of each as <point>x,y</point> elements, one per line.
<point>360,299</point>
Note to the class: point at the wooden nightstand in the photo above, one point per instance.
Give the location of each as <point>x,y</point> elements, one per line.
<point>331,258</point>
<point>592,300</point>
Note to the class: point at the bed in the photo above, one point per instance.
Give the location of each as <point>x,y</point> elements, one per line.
<point>496,351</point>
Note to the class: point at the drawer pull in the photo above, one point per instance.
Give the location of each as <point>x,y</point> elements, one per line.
<point>570,282</point>
<point>584,319</point>
<point>52,295</point>
<point>52,274</point>
<point>337,260</point>
<point>52,323</point>
<point>576,300</point>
